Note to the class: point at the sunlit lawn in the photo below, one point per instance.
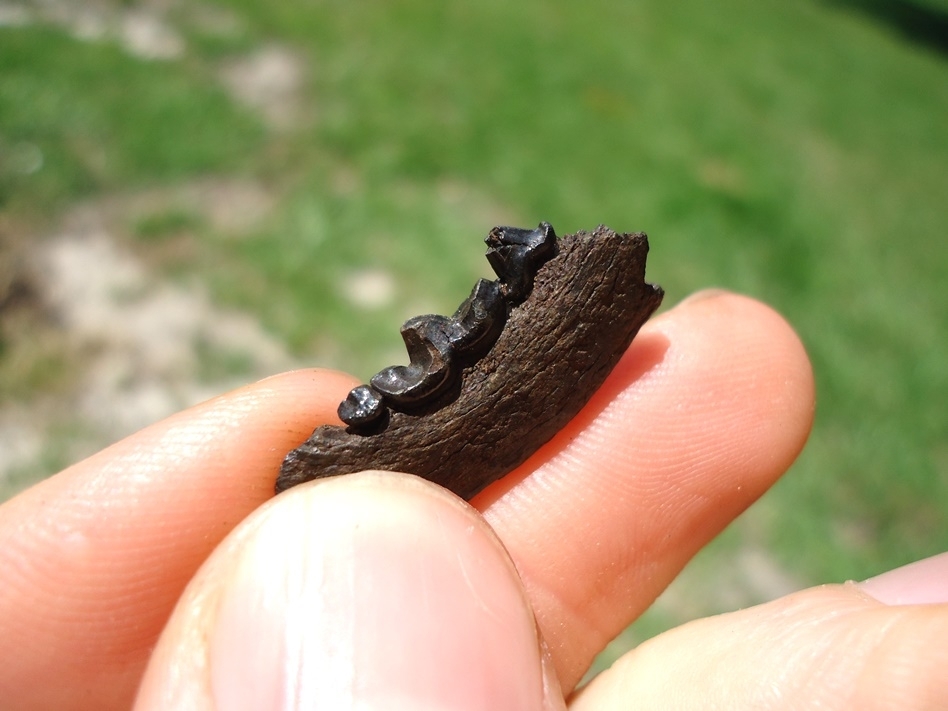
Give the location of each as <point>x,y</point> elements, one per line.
<point>797,152</point>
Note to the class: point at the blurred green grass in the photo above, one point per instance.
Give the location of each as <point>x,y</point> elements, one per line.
<point>101,121</point>
<point>795,152</point>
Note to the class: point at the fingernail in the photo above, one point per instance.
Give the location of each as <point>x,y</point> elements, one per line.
<point>374,593</point>
<point>919,583</point>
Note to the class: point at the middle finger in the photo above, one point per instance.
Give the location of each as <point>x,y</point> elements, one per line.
<point>709,406</point>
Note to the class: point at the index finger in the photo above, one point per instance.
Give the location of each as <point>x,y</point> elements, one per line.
<point>94,559</point>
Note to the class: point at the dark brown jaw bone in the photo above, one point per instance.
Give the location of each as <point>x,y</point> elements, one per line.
<point>557,347</point>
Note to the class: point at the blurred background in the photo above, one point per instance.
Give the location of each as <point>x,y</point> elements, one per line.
<point>197,193</point>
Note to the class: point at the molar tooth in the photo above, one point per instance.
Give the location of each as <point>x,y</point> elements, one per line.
<point>431,369</point>
<point>515,254</point>
<point>479,320</point>
<point>361,407</point>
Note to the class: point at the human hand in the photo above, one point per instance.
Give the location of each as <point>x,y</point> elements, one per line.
<point>383,591</point>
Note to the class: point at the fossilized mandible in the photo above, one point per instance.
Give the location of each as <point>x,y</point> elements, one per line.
<point>487,386</point>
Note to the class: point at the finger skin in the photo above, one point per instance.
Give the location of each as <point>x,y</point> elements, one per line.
<point>95,558</point>
<point>371,591</point>
<point>832,648</point>
<point>710,405</point>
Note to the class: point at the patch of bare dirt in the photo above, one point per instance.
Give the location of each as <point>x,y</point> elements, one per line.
<point>269,81</point>
<point>137,346</point>
<point>232,207</point>
<point>142,29</point>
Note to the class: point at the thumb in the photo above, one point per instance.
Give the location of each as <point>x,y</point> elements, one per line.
<point>369,591</point>
<point>831,647</point>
